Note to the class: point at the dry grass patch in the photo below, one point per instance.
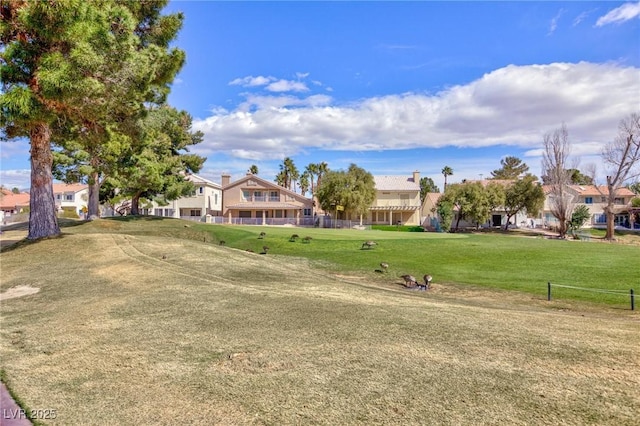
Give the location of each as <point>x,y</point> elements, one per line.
<point>214,335</point>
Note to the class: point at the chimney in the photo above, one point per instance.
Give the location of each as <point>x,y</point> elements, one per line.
<point>226,178</point>
<point>416,176</point>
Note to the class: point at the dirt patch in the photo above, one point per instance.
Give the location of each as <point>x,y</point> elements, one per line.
<point>19,291</point>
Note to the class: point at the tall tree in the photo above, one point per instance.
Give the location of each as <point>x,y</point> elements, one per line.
<point>312,171</point>
<point>70,68</point>
<point>576,177</point>
<point>253,169</point>
<point>304,182</point>
<point>136,72</point>
<point>288,174</point>
<point>323,168</point>
<point>512,168</point>
<point>353,189</point>
<point>446,171</point>
<point>157,165</point>
<point>525,194</point>
<point>622,155</point>
<point>472,201</point>
<point>427,185</point>
<point>39,70</point>
<point>558,176</point>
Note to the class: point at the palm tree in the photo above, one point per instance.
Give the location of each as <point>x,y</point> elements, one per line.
<point>288,173</point>
<point>446,171</point>
<point>253,169</point>
<point>312,170</point>
<point>323,168</point>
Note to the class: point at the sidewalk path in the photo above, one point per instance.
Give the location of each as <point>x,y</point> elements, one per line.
<point>10,413</point>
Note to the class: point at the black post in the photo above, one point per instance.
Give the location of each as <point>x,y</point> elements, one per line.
<point>632,300</point>
<point>549,290</point>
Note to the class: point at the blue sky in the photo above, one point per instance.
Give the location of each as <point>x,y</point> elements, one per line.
<point>398,86</point>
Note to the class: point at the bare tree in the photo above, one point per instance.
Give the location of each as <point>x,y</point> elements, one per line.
<point>622,155</point>
<point>554,165</point>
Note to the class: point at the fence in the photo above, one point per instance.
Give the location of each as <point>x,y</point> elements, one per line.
<point>595,290</point>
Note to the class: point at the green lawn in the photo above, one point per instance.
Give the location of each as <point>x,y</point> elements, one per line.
<point>502,261</point>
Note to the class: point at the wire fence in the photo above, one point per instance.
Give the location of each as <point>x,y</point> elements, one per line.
<point>624,293</point>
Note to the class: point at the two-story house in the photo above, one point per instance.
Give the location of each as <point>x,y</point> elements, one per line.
<point>204,202</point>
<point>397,200</point>
<point>72,197</point>
<point>595,198</point>
<point>253,200</point>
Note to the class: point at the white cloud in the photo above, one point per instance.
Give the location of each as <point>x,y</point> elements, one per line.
<point>251,81</point>
<point>287,86</point>
<point>301,75</point>
<point>514,105</point>
<point>254,102</point>
<point>554,22</point>
<point>16,178</point>
<point>620,14</point>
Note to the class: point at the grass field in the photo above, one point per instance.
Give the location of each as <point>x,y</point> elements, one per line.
<point>153,322</point>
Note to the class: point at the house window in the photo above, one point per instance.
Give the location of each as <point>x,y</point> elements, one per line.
<point>618,200</point>
<point>157,212</point>
<point>588,200</point>
<point>169,212</point>
<point>278,214</point>
<point>306,212</point>
<point>257,196</point>
<point>68,197</point>
<point>58,197</point>
<point>244,213</point>
<point>600,218</point>
<point>404,199</point>
<point>246,195</point>
<point>273,196</point>
<point>194,212</point>
<point>215,199</point>
<point>603,199</point>
<point>201,190</point>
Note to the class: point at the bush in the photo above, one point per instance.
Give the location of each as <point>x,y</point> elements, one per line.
<point>69,213</point>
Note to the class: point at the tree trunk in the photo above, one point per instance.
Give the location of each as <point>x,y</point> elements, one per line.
<point>611,217</point>
<point>93,204</point>
<point>135,201</point>
<point>506,225</point>
<point>43,221</point>
<point>611,222</point>
<point>458,221</point>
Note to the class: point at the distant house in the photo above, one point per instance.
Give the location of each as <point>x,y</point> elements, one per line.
<point>12,204</point>
<point>397,200</point>
<point>72,197</point>
<point>429,215</point>
<point>497,217</point>
<point>204,202</point>
<point>253,200</point>
<point>595,198</point>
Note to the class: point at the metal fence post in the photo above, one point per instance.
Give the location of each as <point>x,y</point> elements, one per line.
<point>632,300</point>
<point>549,290</point>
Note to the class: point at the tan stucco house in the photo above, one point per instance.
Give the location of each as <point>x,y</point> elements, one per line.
<point>397,200</point>
<point>256,201</point>
<point>203,203</point>
<point>595,198</point>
